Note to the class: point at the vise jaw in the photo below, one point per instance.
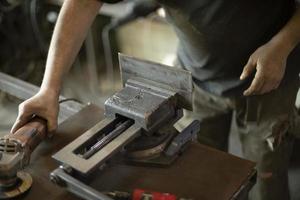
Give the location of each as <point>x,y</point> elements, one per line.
<point>152,95</point>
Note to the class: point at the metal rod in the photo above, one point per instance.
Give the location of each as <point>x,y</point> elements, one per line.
<point>91,64</point>
<point>24,90</point>
<point>60,177</point>
<point>108,54</point>
<point>101,143</point>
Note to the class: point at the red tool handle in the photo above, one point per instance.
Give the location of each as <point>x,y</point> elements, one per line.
<point>139,194</point>
<point>31,134</point>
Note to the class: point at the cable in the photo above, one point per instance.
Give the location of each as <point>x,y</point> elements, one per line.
<point>69,99</point>
<point>35,26</point>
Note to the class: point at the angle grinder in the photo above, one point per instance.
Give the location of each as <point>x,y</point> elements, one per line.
<point>15,151</point>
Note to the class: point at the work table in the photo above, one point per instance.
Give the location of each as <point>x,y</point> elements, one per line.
<point>201,173</point>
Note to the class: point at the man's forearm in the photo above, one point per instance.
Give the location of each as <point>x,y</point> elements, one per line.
<point>289,36</point>
<point>75,18</point>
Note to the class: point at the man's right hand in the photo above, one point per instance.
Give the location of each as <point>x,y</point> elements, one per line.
<point>76,16</point>
<point>44,104</point>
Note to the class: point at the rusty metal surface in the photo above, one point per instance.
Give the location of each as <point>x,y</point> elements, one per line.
<point>201,173</point>
<point>24,90</point>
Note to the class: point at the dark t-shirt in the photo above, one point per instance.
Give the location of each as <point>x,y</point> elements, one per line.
<point>218,36</point>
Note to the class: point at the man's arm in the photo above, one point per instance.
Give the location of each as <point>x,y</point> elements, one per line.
<point>269,60</point>
<point>75,18</point>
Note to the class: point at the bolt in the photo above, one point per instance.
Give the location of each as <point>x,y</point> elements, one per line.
<point>66,168</point>
<point>56,180</point>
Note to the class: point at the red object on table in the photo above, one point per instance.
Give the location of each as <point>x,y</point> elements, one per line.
<point>139,194</point>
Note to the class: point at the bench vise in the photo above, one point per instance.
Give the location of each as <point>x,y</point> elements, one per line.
<point>138,125</point>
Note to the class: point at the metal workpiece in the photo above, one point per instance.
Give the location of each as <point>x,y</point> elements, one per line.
<point>165,77</point>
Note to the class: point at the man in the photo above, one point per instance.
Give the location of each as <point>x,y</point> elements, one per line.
<point>243,57</point>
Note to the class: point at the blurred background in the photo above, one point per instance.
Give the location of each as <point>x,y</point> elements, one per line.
<point>25,31</point>
<point>26,28</point>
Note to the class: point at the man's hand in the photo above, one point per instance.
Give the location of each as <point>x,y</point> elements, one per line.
<point>269,61</point>
<point>44,104</point>
<point>76,16</point>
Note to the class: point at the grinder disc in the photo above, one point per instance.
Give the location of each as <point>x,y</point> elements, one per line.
<point>23,183</point>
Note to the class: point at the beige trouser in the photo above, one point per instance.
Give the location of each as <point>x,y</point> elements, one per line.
<point>264,124</point>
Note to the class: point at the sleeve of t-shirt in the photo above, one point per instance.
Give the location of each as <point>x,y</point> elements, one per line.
<point>110,1</point>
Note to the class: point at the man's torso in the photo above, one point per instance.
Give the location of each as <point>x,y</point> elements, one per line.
<point>218,36</point>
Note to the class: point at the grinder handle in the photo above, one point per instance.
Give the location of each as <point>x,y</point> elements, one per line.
<point>31,134</point>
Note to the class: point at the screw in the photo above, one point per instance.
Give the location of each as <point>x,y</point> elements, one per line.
<point>56,180</point>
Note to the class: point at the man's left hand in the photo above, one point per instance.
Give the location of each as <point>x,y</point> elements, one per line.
<point>269,61</point>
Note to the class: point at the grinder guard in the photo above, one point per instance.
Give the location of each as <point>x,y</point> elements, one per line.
<point>15,151</point>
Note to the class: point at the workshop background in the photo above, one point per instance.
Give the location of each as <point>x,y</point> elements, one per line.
<point>25,30</point>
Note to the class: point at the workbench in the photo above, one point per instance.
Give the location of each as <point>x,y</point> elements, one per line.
<point>201,173</point>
